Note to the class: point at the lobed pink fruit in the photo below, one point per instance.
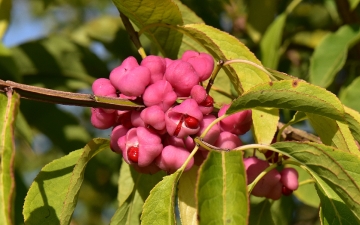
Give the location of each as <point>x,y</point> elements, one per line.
<point>116,133</point>
<point>238,123</point>
<point>172,158</point>
<point>227,140</point>
<point>130,78</point>
<point>182,77</point>
<point>174,118</point>
<point>102,120</point>
<point>205,102</point>
<point>154,116</point>
<point>149,145</point>
<point>156,65</point>
<point>203,63</point>
<point>213,133</point>
<point>160,93</point>
<point>264,188</point>
<point>289,178</point>
<point>103,87</point>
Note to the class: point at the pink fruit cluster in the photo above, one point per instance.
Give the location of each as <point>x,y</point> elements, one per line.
<point>274,183</point>
<point>160,137</point>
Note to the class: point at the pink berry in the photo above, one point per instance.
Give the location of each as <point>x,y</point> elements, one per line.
<point>289,178</point>
<point>149,145</point>
<point>203,63</point>
<point>130,78</point>
<point>182,77</point>
<point>172,158</point>
<point>238,123</point>
<point>102,120</point>
<point>160,93</point>
<point>103,87</point>
<point>227,140</point>
<point>174,118</point>
<point>156,65</point>
<point>117,132</point>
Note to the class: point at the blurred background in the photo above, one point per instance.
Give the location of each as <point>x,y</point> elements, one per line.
<point>66,45</point>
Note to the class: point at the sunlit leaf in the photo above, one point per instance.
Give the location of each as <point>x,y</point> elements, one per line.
<point>291,94</point>
<point>134,188</point>
<point>52,197</point>
<point>333,133</point>
<point>338,169</point>
<point>353,4</point>
<point>353,120</point>
<point>186,196</point>
<point>333,210</point>
<point>8,109</point>
<point>265,122</point>
<point>222,191</point>
<point>159,206</point>
<point>224,46</point>
<point>144,13</point>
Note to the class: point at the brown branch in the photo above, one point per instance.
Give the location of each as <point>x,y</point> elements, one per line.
<point>89,100</point>
<point>68,98</point>
<point>291,133</point>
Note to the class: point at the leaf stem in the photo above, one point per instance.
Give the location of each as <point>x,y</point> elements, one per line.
<point>133,35</point>
<point>250,63</point>
<point>308,181</point>
<point>216,70</point>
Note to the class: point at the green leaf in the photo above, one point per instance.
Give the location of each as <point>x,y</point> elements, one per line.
<point>280,75</point>
<point>5,11</point>
<point>148,12</point>
<point>350,95</point>
<point>222,191</point>
<point>8,110</point>
<point>189,17</point>
<point>224,46</point>
<point>282,210</point>
<point>52,196</point>
<point>333,210</point>
<point>333,133</point>
<point>159,206</point>
<point>260,213</point>
<point>291,94</point>
<point>353,4</point>
<point>265,121</point>
<point>243,76</point>
<point>8,67</point>
<point>125,183</point>
<point>23,128</point>
<point>353,119</point>
<point>330,55</point>
<point>306,193</point>
<point>186,196</point>
<point>133,191</point>
<point>338,169</point>
<point>58,63</point>
<point>271,42</point>
<point>68,135</point>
